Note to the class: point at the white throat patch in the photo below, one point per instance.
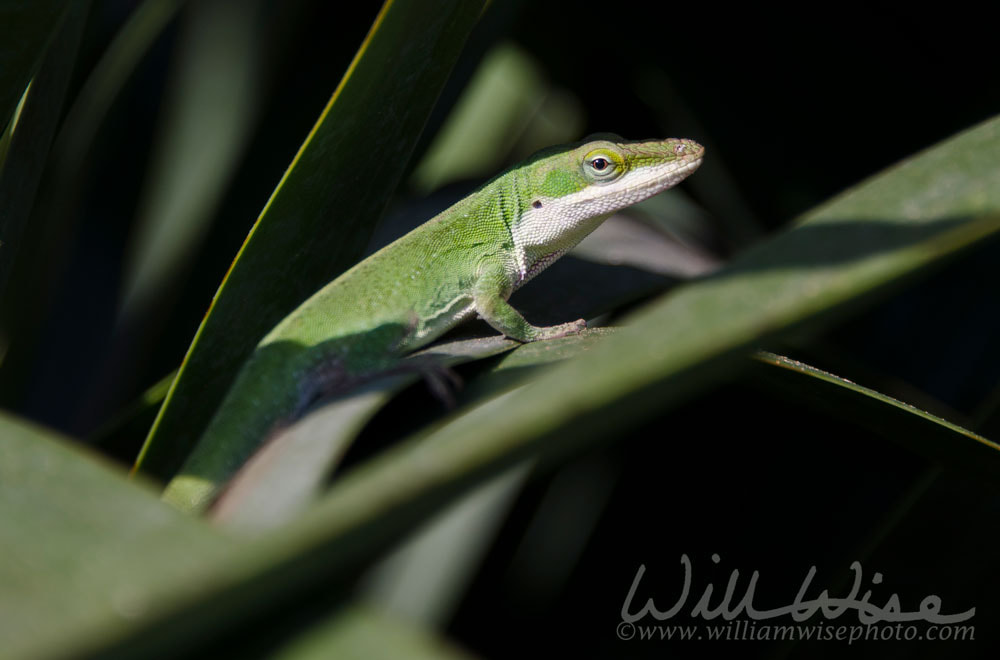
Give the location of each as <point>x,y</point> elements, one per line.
<point>546,232</point>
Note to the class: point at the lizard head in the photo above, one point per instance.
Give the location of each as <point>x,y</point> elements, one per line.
<point>566,192</point>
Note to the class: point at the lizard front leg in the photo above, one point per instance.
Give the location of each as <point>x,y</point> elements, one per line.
<point>488,297</point>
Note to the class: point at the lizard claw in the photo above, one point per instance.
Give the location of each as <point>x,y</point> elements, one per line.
<point>563,330</point>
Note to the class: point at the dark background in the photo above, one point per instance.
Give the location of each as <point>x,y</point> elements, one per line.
<point>796,106</point>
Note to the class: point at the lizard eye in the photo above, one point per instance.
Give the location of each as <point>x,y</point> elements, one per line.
<point>600,166</point>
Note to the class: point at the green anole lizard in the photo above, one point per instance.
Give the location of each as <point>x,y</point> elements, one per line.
<point>465,261</point>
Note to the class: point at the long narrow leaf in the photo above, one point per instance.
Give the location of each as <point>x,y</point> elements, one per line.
<point>360,633</point>
<point>26,26</point>
<point>77,547</point>
<point>320,217</point>
<point>28,147</point>
<point>894,225</point>
<point>289,470</point>
<point>919,430</point>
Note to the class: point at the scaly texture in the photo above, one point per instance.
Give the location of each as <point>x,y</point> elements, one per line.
<point>465,261</point>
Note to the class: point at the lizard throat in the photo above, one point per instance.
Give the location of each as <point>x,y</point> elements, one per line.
<point>537,266</point>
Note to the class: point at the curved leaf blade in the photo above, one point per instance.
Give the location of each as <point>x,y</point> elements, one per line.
<point>679,344</point>
<point>22,165</point>
<point>26,26</point>
<point>86,555</point>
<point>287,473</point>
<point>891,226</point>
<point>343,175</point>
<point>913,428</point>
<point>359,632</point>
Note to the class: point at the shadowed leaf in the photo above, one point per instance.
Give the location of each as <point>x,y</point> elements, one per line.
<point>78,543</point>
<point>360,632</point>
<point>915,429</point>
<point>25,29</point>
<point>320,217</point>
<point>22,159</point>
<point>288,472</point>
<point>891,226</point>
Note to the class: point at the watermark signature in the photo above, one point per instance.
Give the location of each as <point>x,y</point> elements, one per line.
<point>802,608</point>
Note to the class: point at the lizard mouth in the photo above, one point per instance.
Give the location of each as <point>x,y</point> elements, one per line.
<point>642,183</point>
<point>678,173</point>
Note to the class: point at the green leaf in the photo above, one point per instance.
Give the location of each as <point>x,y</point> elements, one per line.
<point>86,554</point>
<point>892,226</point>
<point>495,108</point>
<point>320,217</point>
<point>208,114</point>
<point>30,132</point>
<point>132,421</point>
<point>871,236</point>
<point>47,237</point>
<point>362,632</point>
<point>917,430</point>
<point>72,518</point>
<point>26,26</point>
<point>515,368</point>
<point>288,472</point>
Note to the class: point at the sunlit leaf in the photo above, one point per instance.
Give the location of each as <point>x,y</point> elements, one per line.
<point>892,226</point>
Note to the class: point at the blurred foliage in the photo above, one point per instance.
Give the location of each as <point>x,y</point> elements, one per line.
<point>844,220</point>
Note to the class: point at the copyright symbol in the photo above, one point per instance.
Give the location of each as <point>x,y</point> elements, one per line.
<point>625,630</point>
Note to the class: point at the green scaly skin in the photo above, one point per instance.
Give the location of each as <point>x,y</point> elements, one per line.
<point>463,262</point>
